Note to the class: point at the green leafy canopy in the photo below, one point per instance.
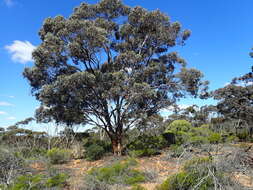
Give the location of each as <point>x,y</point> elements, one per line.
<point>110,65</point>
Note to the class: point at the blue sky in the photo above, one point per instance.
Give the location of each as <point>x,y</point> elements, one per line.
<point>219,46</point>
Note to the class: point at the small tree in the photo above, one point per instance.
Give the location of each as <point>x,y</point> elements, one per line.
<point>109,65</point>
<point>236,100</point>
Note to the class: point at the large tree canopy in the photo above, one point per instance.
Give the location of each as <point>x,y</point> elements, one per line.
<point>110,65</point>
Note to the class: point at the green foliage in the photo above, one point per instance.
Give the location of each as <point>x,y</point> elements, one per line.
<point>95,149</point>
<point>33,182</point>
<point>198,140</point>
<point>93,140</point>
<point>136,70</point>
<point>138,187</point>
<point>185,133</point>
<point>146,145</point>
<point>119,173</point>
<point>242,135</point>
<point>176,150</point>
<point>94,152</point>
<point>185,181</point>
<point>179,125</point>
<point>9,161</point>
<point>57,180</point>
<point>31,153</point>
<point>231,138</point>
<point>38,182</point>
<point>58,156</point>
<point>214,138</point>
<point>235,102</point>
<point>180,129</point>
<point>189,178</point>
<point>198,161</point>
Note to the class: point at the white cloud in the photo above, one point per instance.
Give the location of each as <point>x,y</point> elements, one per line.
<point>11,118</point>
<point>9,3</point>
<point>5,104</point>
<point>21,51</point>
<point>7,96</point>
<point>227,83</point>
<point>3,113</point>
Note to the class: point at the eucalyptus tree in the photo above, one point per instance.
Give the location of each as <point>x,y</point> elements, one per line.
<point>110,65</point>
<point>236,100</point>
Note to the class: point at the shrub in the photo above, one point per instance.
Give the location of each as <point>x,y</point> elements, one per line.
<point>195,162</point>
<point>214,138</point>
<point>145,141</point>
<point>10,166</point>
<point>185,181</point>
<point>58,180</point>
<point>146,145</point>
<point>31,153</point>
<point>34,182</point>
<point>198,140</point>
<point>58,156</point>
<point>118,173</point>
<point>180,128</point>
<point>145,152</point>
<point>95,149</point>
<point>242,135</point>
<point>94,152</point>
<point>176,151</point>
<point>179,125</point>
<point>199,173</point>
<point>92,183</point>
<point>138,187</point>
<point>39,181</point>
<point>231,138</point>
<point>200,131</point>
<point>185,133</point>
<point>87,142</point>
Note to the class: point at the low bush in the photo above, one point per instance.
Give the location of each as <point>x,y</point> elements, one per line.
<point>92,183</point>
<point>138,187</point>
<point>243,135</point>
<point>146,145</point>
<point>95,149</point>
<point>180,129</point>
<point>199,173</point>
<point>118,173</point>
<point>94,152</point>
<point>144,153</point>
<point>58,156</point>
<point>198,140</point>
<point>38,182</point>
<point>214,138</point>
<point>31,153</point>
<point>10,166</point>
<point>230,138</point>
<point>58,180</point>
<point>179,125</point>
<point>186,134</point>
<point>176,151</point>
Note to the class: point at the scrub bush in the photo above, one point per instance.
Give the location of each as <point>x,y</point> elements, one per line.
<point>118,173</point>
<point>58,156</point>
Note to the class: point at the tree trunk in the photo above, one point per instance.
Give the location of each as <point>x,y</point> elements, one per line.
<point>116,145</point>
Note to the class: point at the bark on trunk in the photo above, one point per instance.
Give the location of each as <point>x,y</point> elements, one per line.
<point>117,145</point>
